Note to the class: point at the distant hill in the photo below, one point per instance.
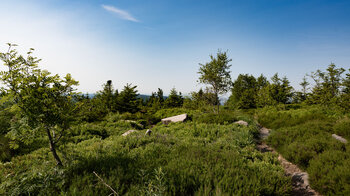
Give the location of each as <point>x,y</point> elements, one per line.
<point>144,97</point>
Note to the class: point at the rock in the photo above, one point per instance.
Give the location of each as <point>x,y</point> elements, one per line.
<point>148,132</point>
<point>301,178</point>
<point>339,138</point>
<point>178,118</point>
<point>264,133</point>
<point>241,122</point>
<point>129,132</point>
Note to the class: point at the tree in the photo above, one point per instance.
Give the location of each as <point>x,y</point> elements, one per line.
<point>44,100</point>
<point>261,82</point>
<point>301,96</point>
<point>216,74</point>
<point>108,97</point>
<point>201,99</point>
<point>345,96</point>
<point>304,84</point>
<point>327,85</point>
<point>346,84</point>
<point>174,99</point>
<point>263,96</point>
<point>280,89</point>
<point>128,99</point>
<point>244,92</point>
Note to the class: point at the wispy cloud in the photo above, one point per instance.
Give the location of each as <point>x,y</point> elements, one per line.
<point>121,13</point>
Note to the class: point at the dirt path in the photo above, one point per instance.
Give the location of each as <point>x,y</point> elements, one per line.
<point>300,180</point>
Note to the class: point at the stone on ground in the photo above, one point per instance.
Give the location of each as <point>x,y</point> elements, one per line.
<point>241,122</point>
<point>178,118</point>
<point>339,138</point>
<point>129,132</point>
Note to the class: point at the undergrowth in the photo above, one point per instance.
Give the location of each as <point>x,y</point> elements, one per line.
<point>191,158</point>
<point>304,136</point>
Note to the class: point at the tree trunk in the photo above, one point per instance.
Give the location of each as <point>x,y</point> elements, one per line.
<point>53,148</point>
<point>218,101</point>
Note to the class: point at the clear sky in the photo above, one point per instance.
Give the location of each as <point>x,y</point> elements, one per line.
<point>159,43</point>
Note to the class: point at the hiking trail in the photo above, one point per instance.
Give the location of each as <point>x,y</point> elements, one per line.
<point>300,182</point>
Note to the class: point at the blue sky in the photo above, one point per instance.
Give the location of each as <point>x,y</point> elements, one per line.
<point>159,43</point>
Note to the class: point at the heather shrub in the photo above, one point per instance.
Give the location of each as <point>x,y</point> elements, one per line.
<point>342,127</point>
<point>303,136</point>
<point>178,159</point>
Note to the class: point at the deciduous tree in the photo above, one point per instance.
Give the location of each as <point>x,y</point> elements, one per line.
<point>216,73</point>
<point>44,100</point>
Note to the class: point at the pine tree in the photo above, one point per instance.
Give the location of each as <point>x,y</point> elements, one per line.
<point>128,100</point>
<point>174,99</point>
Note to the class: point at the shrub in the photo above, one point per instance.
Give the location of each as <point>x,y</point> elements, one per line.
<point>178,159</point>
<point>303,136</point>
<point>342,127</point>
<point>5,151</point>
<point>330,172</point>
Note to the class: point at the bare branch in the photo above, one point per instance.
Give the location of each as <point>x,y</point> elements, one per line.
<point>103,182</point>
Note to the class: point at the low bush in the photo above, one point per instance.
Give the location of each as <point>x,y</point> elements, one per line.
<point>178,159</point>
<point>5,150</point>
<point>330,172</point>
<point>342,127</point>
<point>275,118</point>
<point>303,136</point>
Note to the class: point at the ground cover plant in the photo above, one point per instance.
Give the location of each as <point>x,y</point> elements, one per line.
<point>303,136</point>
<point>191,158</point>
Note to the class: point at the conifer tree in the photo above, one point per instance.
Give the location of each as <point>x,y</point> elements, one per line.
<point>128,100</point>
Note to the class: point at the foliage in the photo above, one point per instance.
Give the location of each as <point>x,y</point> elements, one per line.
<point>178,159</point>
<point>108,97</point>
<point>216,73</point>
<point>327,85</point>
<point>250,92</point>
<point>208,154</point>
<point>128,101</point>
<point>244,92</point>
<point>303,136</point>
<point>5,150</point>
<point>44,101</point>
<point>91,109</point>
<point>174,100</point>
<point>342,127</point>
<point>330,172</point>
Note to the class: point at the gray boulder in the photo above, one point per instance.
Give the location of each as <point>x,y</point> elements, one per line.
<point>178,118</point>
<point>241,122</point>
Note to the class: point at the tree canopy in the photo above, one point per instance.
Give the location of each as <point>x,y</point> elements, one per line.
<point>43,100</point>
<point>216,73</point>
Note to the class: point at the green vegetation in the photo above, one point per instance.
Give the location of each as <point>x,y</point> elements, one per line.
<point>208,154</point>
<point>216,73</point>
<point>303,136</point>
<point>191,158</point>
